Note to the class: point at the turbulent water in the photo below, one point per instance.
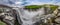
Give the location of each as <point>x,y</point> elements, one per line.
<point>29,17</point>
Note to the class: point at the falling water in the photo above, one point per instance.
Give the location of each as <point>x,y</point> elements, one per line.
<point>29,17</point>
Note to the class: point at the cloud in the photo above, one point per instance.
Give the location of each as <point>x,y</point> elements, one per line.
<point>40,2</point>
<point>30,2</point>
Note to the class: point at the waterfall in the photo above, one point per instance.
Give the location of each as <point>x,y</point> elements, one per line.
<point>29,17</point>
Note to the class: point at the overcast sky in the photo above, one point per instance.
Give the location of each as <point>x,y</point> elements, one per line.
<point>30,2</point>
<point>38,2</point>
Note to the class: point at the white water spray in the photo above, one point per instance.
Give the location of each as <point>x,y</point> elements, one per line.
<point>29,18</point>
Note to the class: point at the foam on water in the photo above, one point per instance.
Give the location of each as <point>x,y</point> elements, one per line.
<point>29,18</point>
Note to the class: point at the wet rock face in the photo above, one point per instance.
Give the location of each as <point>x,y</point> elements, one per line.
<point>57,20</point>
<point>58,16</point>
<point>7,15</point>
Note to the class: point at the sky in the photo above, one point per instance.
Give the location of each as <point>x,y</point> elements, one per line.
<point>30,2</point>
<point>39,2</point>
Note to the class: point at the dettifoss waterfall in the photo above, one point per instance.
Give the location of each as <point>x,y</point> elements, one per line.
<point>29,17</point>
